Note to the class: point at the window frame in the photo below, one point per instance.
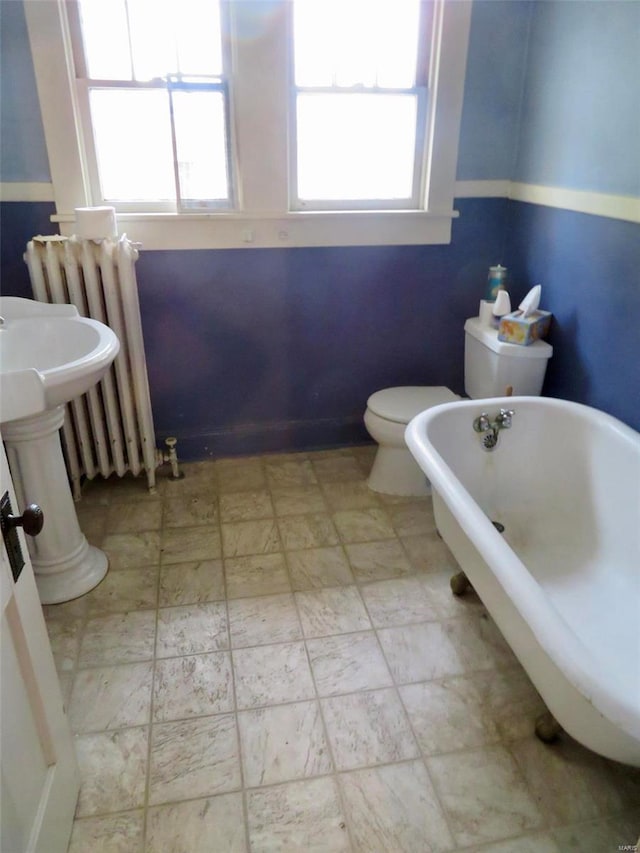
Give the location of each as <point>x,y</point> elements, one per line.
<point>259,105</point>
<point>84,83</point>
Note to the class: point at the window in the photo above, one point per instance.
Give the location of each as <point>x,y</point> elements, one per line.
<point>242,122</point>
<point>152,89</point>
<point>359,111</point>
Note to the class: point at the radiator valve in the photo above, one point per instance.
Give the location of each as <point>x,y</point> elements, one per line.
<point>171,456</point>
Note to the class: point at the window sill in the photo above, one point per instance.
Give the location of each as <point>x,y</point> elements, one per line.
<point>166,231</point>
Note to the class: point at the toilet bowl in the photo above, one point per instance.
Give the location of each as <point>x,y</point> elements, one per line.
<point>490,367</point>
<point>394,470</point>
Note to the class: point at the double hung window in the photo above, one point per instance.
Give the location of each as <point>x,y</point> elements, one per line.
<point>360,97</point>
<point>153,94</point>
<point>264,122</point>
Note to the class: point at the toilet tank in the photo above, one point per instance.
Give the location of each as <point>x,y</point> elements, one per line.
<point>490,365</point>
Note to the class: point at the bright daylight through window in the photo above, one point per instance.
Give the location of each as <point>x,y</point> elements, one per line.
<point>152,76</point>
<point>359,111</point>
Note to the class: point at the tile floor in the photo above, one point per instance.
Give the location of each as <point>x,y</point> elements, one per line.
<point>275,662</point>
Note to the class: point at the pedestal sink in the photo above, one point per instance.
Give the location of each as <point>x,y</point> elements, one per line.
<point>48,356</point>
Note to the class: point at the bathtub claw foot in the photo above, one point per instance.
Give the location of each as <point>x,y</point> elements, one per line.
<point>547,728</point>
<point>460,583</point>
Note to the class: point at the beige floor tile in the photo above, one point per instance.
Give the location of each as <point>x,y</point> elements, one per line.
<point>319,567</point>
<point>118,638</point>
<point>130,589</point>
<point>536,843</point>
<point>352,494</point>
<point>368,728</point>
<point>198,478</point>
<point>348,663</point>
<point>132,550</point>
<point>257,575</point>
<point>394,809</point>
<point>289,472</point>
<point>484,795</point>
<point>398,601</point>
<point>298,816</point>
<point>617,833</point>
<point>243,538</point>
<point>245,506</point>
<point>307,531</point>
<point>337,469</point>
<point>64,637</point>
<point>196,825</point>
<point>194,758</point>
<point>240,475</point>
<point>412,519</point>
<point>92,520</point>
<point>334,610</point>
<point>134,516</point>
<point>192,629</point>
<point>283,743</point>
<point>570,783</point>
<point>187,544</point>
<point>374,561</point>
<point>190,511</point>
<point>363,525</point>
<point>473,710</point>
<point>263,620</point>
<point>420,652</point>
<point>114,833</point>
<point>191,583</point>
<point>298,500</point>
<point>428,553</point>
<point>436,587</point>
<point>66,610</point>
<point>272,675</point>
<point>430,650</point>
<point>113,768</point>
<point>192,686</point>
<point>111,697</point>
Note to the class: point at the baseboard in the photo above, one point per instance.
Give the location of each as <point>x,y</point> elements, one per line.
<point>273,437</point>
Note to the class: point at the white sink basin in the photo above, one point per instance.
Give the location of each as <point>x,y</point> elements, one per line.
<point>48,356</point>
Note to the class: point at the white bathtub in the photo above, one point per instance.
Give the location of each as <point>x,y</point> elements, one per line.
<point>563,580</point>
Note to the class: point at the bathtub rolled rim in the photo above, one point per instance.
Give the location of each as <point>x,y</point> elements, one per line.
<point>602,688</point>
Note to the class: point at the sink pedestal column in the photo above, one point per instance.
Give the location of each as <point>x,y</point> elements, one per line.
<point>64,564</point>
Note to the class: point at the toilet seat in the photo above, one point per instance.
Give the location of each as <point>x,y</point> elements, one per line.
<point>401,404</point>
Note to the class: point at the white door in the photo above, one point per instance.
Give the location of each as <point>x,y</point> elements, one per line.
<point>38,769</point>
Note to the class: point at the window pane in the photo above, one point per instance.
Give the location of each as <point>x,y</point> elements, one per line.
<point>353,146</point>
<point>200,141</point>
<point>153,45</point>
<point>199,39</point>
<point>105,38</point>
<point>356,42</point>
<point>165,36</point>
<point>132,135</point>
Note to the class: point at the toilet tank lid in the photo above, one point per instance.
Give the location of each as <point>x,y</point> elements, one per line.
<point>489,337</point>
<point>405,402</point>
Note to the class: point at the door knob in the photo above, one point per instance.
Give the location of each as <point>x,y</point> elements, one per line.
<point>31,520</point>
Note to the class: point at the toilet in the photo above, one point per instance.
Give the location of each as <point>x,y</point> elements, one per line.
<point>490,367</point>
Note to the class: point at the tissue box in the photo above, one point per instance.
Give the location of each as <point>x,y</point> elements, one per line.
<point>516,329</point>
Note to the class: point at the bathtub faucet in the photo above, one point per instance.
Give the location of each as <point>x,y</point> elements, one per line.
<point>491,428</point>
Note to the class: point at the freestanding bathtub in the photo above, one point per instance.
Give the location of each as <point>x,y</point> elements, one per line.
<point>563,580</point>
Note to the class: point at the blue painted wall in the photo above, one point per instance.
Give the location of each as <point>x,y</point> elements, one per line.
<point>280,348</point>
<point>23,154</point>
<point>494,82</point>
<point>580,128</point>
<point>580,119</point>
<point>277,349</point>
